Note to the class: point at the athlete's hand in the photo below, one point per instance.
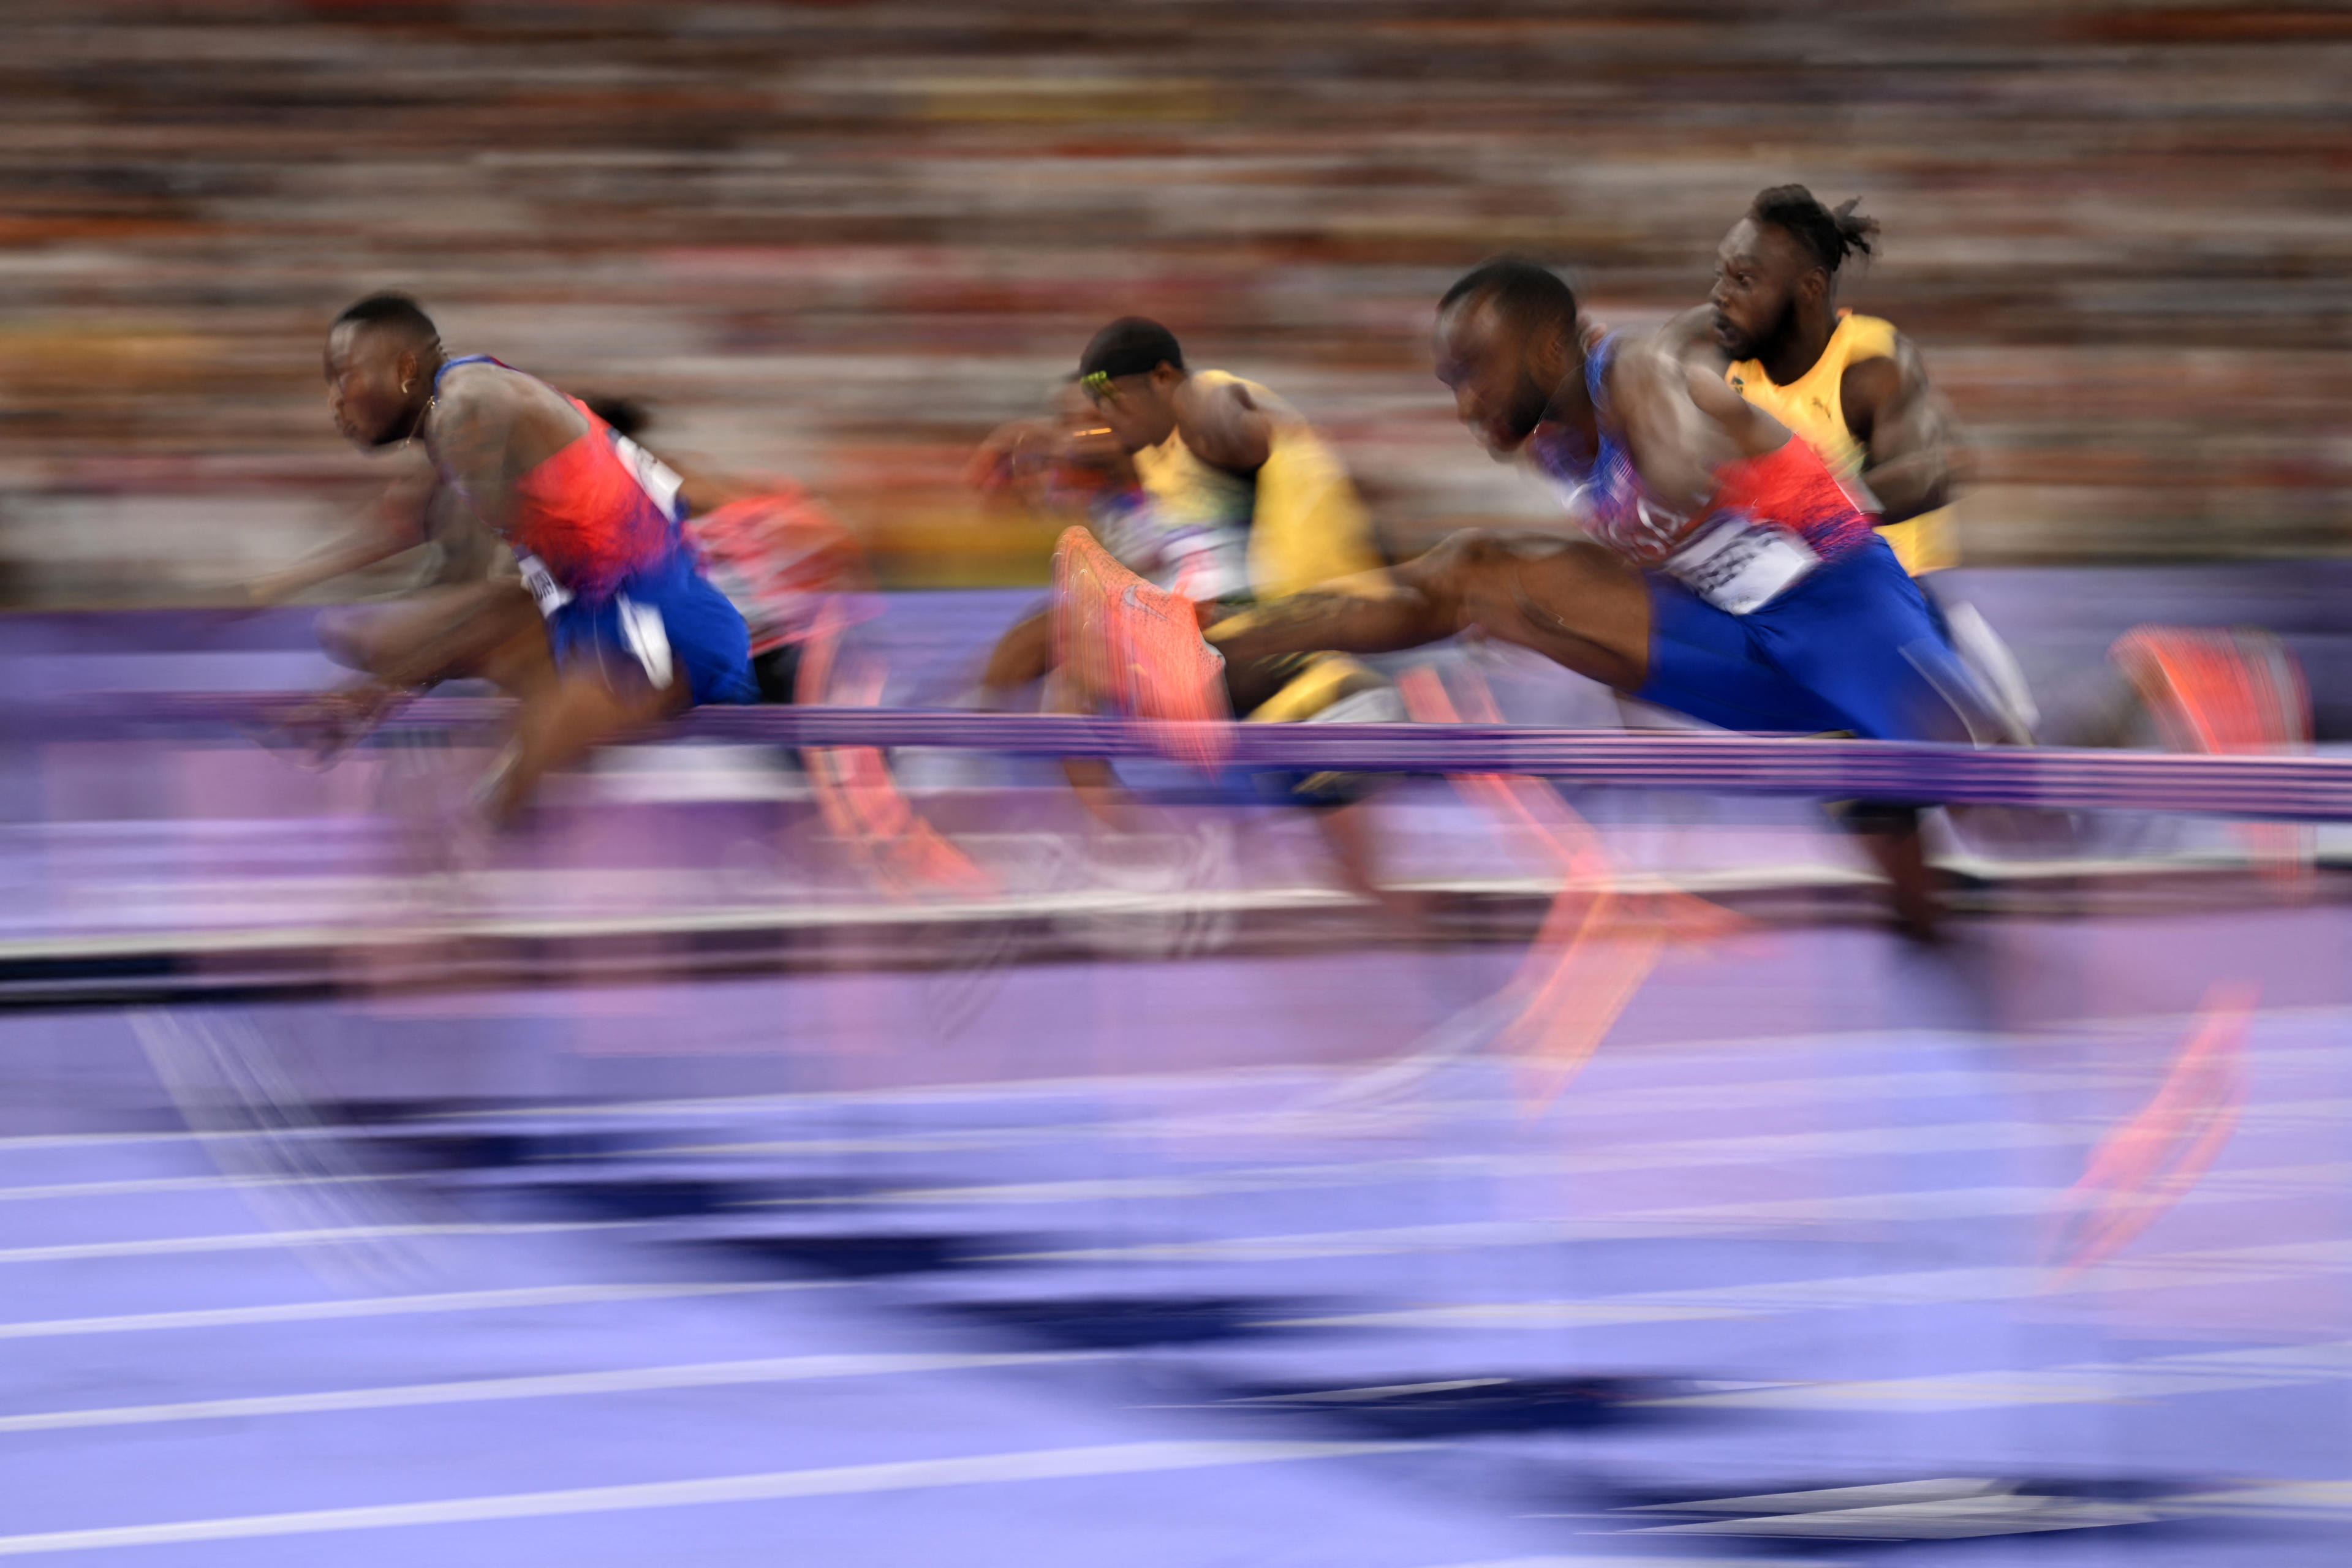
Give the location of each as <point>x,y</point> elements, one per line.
<point>1012,453</point>
<point>1033,458</point>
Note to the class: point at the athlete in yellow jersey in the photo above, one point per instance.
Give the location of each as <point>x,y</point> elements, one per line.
<point>1203,483</point>
<point>1852,386</point>
<point>1208,485</point>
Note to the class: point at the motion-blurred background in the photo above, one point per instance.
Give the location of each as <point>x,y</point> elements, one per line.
<point>844,240</point>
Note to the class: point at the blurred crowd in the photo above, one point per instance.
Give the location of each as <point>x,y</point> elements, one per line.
<point>846,240</point>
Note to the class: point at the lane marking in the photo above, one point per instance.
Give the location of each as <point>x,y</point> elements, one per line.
<point>2264,1264</point>
<point>545,1385</point>
<point>2083,1383</point>
<point>129,1187</point>
<point>905,1475</point>
<point>259,1240</point>
<point>525,1296</point>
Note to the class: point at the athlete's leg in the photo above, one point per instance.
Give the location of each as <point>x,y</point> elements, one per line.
<point>373,638</point>
<point>584,707</point>
<point>1023,655</point>
<point>668,641</point>
<point>492,631</point>
<point>1858,634</point>
<point>1853,648</point>
<point>489,630</point>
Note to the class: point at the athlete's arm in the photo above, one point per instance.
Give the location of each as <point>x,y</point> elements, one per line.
<point>1681,424</point>
<point>1906,430</point>
<point>395,523</point>
<point>1225,427</point>
<point>1373,613</point>
<point>1033,458</point>
<point>1690,337</point>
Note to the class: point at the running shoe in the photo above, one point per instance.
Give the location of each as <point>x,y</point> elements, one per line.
<point>1125,646</point>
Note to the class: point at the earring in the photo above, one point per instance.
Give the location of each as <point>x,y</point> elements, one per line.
<point>404,386</point>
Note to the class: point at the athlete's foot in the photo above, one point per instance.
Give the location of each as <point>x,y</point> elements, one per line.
<point>2229,693</point>
<point>504,790</point>
<point>1123,644</point>
<point>1918,919</point>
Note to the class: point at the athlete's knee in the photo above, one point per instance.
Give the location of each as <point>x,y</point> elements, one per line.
<point>348,637</point>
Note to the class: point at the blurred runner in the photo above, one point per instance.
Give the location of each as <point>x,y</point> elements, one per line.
<point>611,625</point>
<point>1736,582</point>
<point>803,584</point>
<point>1196,480</point>
<point>1213,488</point>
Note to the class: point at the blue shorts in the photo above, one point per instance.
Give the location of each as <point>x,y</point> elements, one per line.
<point>665,619</point>
<point>1853,646</point>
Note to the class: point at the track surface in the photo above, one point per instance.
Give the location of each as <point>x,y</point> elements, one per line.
<point>1202,1285</point>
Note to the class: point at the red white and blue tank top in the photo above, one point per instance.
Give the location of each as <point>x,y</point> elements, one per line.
<point>1789,487</point>
<point>596,512</point>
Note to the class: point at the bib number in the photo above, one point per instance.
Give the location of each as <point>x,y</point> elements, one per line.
<point>1740,566</point>
<point>551,595</point>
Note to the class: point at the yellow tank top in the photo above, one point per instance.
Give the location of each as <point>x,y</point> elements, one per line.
<point>1305,523</point>
<point>1814,406</point>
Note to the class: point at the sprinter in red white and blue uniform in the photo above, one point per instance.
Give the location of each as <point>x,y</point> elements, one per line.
<point>612,624</point>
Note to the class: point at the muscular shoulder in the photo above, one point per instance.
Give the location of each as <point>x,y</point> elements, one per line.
<point>1227,423</point>
<point>484,405</point>
<point>1649,374</point>
<point>1879,382</point>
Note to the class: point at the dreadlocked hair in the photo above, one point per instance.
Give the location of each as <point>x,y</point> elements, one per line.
<point>1830,234</point>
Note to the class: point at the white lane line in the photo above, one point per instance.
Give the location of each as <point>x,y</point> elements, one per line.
<point>1949,1519</point>
<point>1478,1234</point>
<point>548,1386</point>
<point>2241,1184</point>
<point>2087,1382</point>
<point>258,1240</point>
<point>127,1187</point>
<point>526,1296</point>
<point>1776,1149</point>
<point>1131,1090</point>
<point>905,1475</point>
<point>2266,1264</point>
<point>88,1140</point>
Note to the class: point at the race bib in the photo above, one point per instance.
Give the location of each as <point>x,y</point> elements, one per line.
<point>655,477</point>
<point>551,595</point>
<point>1740,567</point>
